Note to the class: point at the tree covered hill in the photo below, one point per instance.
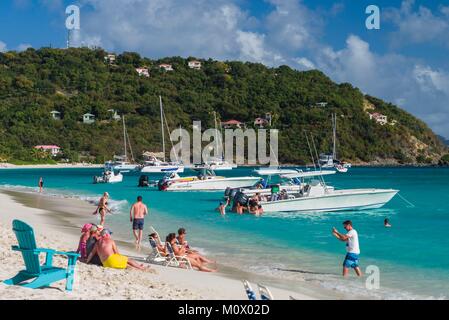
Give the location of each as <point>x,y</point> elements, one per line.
<point>76,81</point>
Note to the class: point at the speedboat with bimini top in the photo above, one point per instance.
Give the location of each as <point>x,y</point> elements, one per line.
<point>315,195</point>
<point>109,177</point>
<point>206,180</point>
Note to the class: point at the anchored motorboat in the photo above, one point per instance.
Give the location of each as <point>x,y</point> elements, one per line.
<point>315,195</point>
<point>205,180</point>
<point>109,177</point>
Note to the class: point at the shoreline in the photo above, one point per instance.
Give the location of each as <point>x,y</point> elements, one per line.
<point>57,224</point>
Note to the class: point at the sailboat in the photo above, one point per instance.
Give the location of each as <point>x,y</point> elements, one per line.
<point>329,160</point>
<point>216,163</point>
<point>121,163</point>
<point>153,163</point>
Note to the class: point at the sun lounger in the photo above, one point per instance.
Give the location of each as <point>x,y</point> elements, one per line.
<point>264,293</point>
<point>174,260</point>
<point>45,274</point>
<point>156,255</point>
<point>249,291</point>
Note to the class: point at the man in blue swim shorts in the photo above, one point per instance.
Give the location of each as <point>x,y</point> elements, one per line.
<point>352,248</point>
<point>137,215</point>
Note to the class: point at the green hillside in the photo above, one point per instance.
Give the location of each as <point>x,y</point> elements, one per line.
<point>79,81</point>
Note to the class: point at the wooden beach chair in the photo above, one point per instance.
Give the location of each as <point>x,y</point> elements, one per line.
<point>45,274</point>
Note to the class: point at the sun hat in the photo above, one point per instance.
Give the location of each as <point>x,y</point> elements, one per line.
<point>94,228</point>
<point>100,227</point>
<point>86,227</point>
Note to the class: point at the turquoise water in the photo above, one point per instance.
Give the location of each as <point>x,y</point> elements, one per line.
<point>413,255</point>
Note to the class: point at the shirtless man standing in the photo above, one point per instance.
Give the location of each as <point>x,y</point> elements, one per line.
<point>110,257</point>
<point>102,207</point>
<point>137,215</point>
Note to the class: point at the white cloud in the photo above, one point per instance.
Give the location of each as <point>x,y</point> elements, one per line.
<point>305,64</point>
<point>3,47</point>
<point>421,26</point>
<point>23,46</point>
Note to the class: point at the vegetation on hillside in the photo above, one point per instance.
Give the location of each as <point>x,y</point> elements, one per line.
<point>78,81</point>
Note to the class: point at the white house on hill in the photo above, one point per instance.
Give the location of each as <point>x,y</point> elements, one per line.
<point>52,149</point>
<point>143,72</point>
<point>195,64</point>
<point>56,115</point>
<point>88,118</point>
<point>379,118</point>
<point>166,67</point>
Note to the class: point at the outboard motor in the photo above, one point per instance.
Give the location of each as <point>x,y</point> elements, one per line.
<point>241,198</point>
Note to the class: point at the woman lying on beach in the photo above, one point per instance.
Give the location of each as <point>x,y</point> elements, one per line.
<point>196,260</point>
<point>109,255</point>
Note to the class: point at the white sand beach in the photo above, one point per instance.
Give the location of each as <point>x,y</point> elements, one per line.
<point>54,229</point>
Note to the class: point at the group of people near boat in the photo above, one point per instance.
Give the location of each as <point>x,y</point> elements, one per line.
<point>96,245</point>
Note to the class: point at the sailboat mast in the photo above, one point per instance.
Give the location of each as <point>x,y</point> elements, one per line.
<point>124,137</point>
<point>162,126</point>
<point>334,124</point>
<point>216,131</point>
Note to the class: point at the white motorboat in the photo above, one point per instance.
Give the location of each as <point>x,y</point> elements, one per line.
<point>205,181</point>
<point>109,177</point>
<point>274,181</point>
<point>316,196</point>
<point>216,165</point>
<point>152,163</point>
<point>340,168</point>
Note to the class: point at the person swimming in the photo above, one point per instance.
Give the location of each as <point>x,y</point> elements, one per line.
<point>387,223</point>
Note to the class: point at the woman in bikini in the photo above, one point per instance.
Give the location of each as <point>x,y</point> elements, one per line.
<point>102,207</point>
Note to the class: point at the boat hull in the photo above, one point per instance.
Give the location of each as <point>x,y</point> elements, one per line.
<point>213,184</point>
<point>162,169</point>
<point>356,199</point>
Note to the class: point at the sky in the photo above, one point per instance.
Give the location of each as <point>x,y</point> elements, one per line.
<point>404,62</point>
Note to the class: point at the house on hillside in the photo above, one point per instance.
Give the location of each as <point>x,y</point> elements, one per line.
<point>56,115</point>
<point>114,115</point>
<point>88,118</point>
<point>195,64</point>
<point>166,67</point>
<point>232,124</point>
<point>143,72</point>
<point>264,121</point>
<point>52,149</point>
<point>110,58</point>
<point>379,118</point>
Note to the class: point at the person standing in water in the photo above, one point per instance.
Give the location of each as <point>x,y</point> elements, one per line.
<point>352,248</point>
<point>387,223</point>
<point>137,215</point>
<point>41,184</point>
<point>102,208</point>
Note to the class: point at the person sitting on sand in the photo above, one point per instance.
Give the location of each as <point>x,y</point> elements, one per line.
<point>181,241</point>
<point>102,207</point>
<point>94,237</point>
<point>182,251</point>
<point>159,245</point>
<point>85,234</point>
<point>109,255</point>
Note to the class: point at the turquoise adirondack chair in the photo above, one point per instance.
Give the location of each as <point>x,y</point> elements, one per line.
<point>44,274</point>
